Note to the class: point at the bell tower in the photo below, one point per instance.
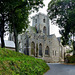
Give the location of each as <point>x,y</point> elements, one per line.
<point>41,23</point>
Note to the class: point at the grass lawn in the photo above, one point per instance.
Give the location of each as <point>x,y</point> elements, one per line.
<point>14,63</point>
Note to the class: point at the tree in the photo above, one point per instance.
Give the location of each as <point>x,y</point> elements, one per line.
<point>63,13</point>
<point>17,12</point>
<point>2,23</point>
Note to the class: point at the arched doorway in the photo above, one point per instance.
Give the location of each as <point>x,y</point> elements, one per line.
<point>40,49</point>
<point>44,30</point>
<point>47,51</point>
<point>32,48</point>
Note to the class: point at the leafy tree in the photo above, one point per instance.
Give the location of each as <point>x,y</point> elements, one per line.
<point>17,12</point>
<point>62,12</point>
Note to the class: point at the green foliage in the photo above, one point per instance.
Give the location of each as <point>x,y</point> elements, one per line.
<point>62,12</point>
<point>14,63</point>
<point>71,59</point>
<point>18,11</point>
<point>69,51</point>
<point>16,14</point>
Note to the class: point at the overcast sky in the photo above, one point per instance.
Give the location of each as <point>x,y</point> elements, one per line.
<point>53,28</point>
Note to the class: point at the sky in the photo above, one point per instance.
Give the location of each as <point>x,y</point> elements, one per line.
<point>53,28</point>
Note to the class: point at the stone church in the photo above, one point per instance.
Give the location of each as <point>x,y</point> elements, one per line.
<point>38,42</point>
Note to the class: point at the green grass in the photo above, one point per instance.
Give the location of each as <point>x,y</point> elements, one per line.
<point>14,63</point>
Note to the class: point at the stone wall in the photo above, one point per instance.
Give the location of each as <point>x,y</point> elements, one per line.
<point>45,41</point>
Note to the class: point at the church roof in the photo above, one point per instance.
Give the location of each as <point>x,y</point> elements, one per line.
<point>9,44</point>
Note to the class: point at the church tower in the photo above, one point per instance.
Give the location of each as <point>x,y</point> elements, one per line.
<point>41,23</point>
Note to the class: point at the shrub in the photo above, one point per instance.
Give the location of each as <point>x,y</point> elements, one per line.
<point>70,59</point>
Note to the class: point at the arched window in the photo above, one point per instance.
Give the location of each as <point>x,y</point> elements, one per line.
<point>44,20</point>
<point>35,20</point>
<point>40,49</point>
<point>55,53</point>
<point>33,48</point>
<point>44,30</point>
<point>47,51</point>
<point>36,49</point>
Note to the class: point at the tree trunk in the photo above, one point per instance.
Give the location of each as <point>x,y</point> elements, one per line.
<point>73,44</point>
<point>16,39</point>
<point>2,32</point>
<point>73,47</point>
<point>15,33</point>
<point>2,41</point>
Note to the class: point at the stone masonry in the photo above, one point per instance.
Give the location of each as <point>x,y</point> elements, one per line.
<point>37,42</point>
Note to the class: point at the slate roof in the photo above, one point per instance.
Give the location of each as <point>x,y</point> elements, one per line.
<point>9,44</point>
<point>50,36</point>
